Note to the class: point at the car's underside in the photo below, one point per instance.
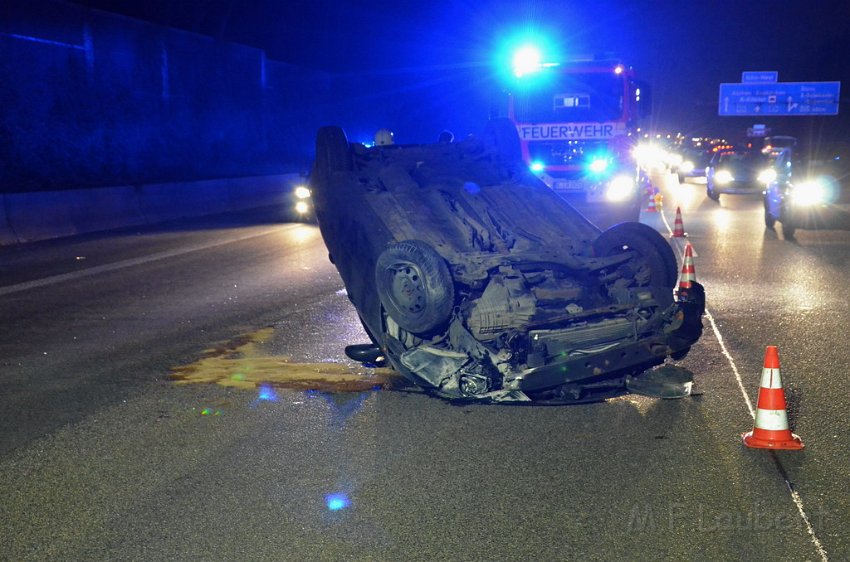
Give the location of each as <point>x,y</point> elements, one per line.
<point>476,282</point>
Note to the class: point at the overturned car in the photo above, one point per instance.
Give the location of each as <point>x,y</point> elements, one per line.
<point>475,281</point>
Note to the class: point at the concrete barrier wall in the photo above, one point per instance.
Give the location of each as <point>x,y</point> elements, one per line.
<point>91,99</point>
<point>163,202</point>
<point>268,190</point>
<point>7,235</point>
<point>108,122</point>
<point>54,214</point>
<point>29,217</point>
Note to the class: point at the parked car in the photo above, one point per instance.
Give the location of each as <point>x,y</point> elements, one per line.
<point>735,172</point>
<point>809,190</point>
<point>476,281</point>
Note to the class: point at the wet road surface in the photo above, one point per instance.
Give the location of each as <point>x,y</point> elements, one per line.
<point>105,457</point>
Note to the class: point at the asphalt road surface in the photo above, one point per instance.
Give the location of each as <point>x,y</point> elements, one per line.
<point>103,456</point>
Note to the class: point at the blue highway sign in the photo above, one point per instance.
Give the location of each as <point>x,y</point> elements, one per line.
<point>761,76</point>
<point>779,98</point>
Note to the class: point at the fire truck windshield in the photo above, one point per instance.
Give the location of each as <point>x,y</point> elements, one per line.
<point>572,97</point>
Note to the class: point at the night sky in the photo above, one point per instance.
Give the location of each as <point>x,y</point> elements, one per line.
<point>684,49</point>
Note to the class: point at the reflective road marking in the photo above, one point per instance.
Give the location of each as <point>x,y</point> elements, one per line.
<point>53,279</point>
<point>798,501</point>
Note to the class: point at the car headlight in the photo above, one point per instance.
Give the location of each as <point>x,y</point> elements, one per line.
<point>767,176</point>
<point>723,176</point>
<point>686,167</point>
<point>673,159</point>
<point>302,207</point>
<point>809,193</point>
<point>620,188</point>
<point>302,192</point>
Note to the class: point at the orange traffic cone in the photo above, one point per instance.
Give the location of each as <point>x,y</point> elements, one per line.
<point>678,226</point>
<point>650,205</point>
<point>688,274</point>
<point>771,426</point>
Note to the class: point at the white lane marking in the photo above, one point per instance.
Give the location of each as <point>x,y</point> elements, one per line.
<point>798,501</point>
<point>728,356</point>
<point>53,279</point>
<point>716,331</point>
<point>795,497</point>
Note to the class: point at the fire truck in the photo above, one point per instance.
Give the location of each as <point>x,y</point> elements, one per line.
<point>578,122</point>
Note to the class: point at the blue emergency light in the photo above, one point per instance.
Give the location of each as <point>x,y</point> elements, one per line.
<point>598,165</point>
<point>523,56</point>
<point>527,59</point>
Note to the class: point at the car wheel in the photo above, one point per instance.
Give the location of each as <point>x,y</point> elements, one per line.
<point>415,286</point>
<point>769,220</point>
<point>501,136</point>
<point>333,153</point>
<point>713,195</point>
<point>648,243</point>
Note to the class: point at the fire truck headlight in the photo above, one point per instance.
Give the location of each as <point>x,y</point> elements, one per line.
<point>620,188</point>
<point>649,156</point>
<point>537,166</point>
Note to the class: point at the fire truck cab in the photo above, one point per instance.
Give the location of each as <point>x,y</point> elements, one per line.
<point>578,123</point>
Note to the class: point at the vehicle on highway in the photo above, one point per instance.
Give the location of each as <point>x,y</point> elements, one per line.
<point>735,172</point>
<point>809,190</point>
<point>476,281</point>
<point>778,142</point>
<point>693,164</point>
<point>302,205</point>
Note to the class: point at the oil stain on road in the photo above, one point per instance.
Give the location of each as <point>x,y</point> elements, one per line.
<point>244,362</point>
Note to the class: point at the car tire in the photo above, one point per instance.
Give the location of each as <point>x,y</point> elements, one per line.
<point>500,136</point>
<point>333,153</point>
<point>713,195</point>
<point>415,286</point>
<point>647,242</point>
